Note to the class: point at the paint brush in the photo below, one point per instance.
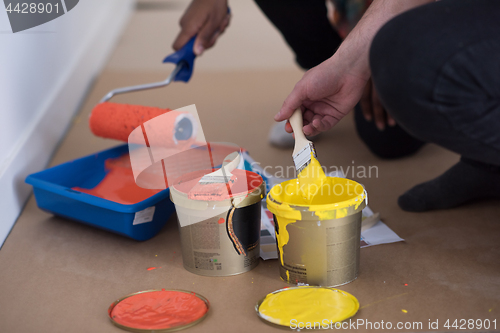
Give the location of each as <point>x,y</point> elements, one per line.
<point>217,183</point>
<point>303,147</point>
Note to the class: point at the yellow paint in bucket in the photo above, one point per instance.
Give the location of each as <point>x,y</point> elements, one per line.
<point>323,215</point>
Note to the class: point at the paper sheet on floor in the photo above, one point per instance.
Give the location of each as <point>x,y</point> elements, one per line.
<point>380,233</point>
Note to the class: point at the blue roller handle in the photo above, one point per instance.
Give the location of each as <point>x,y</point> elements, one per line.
<point>185,56</point>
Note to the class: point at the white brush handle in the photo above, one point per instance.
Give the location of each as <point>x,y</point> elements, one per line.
<point>228,164</point>
<point>300,139</point>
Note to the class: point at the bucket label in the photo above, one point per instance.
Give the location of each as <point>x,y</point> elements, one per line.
<point>207,261</point>
<point>225,244</point>
<point>144,216</point>
<point>325,253</point>
<point>243,234</point>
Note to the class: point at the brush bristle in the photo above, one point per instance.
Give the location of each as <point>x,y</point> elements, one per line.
<point>303,158</point>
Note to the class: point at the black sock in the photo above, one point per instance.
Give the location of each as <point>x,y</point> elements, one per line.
<point>466,181</point>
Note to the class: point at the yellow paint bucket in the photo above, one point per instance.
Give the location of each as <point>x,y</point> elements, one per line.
<point>318,244</point>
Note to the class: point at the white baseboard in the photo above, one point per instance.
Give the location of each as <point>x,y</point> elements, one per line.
<point>36,144</point>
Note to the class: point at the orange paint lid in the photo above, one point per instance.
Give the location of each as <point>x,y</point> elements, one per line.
<point>158,310</point>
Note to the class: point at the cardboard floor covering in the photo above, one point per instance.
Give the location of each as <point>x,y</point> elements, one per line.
<point>60,276</point>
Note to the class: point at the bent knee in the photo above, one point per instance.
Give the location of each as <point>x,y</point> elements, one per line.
<point>401,67</point>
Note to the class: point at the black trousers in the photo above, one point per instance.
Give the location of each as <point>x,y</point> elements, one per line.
<point>435,68</point>
<point>437,71</point>
<point>305,27</point>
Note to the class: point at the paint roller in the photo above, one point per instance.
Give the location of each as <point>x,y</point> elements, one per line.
<point>117,121</point>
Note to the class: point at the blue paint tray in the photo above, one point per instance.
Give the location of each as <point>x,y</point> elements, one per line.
<point>54,194</point>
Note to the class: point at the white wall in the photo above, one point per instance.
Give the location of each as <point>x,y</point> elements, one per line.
<point>44,74</point>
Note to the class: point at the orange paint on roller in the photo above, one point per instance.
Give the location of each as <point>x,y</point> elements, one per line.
<point>160,127</point>
<point>117,121</point>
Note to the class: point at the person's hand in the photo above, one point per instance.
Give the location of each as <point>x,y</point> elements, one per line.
<point>208,19</point>
<point>325,95</point>
<point>372,108</point>
<point>330,90</point>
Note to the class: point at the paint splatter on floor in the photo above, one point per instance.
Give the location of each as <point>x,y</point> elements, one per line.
<point>151,268</point>
<point>383,300</point>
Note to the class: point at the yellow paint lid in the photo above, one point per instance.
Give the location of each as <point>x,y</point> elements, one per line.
<point>307,307</point>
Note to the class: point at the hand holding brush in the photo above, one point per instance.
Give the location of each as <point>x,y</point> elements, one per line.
<point>303,147</point>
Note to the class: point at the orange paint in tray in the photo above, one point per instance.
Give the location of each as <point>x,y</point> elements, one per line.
<point>99,190</point>
<point>119,185</point>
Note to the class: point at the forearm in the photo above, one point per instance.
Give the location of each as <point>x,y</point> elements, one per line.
<point>353,52</point>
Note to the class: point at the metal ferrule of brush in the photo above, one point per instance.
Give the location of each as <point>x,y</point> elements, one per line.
<point>303,158</point>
